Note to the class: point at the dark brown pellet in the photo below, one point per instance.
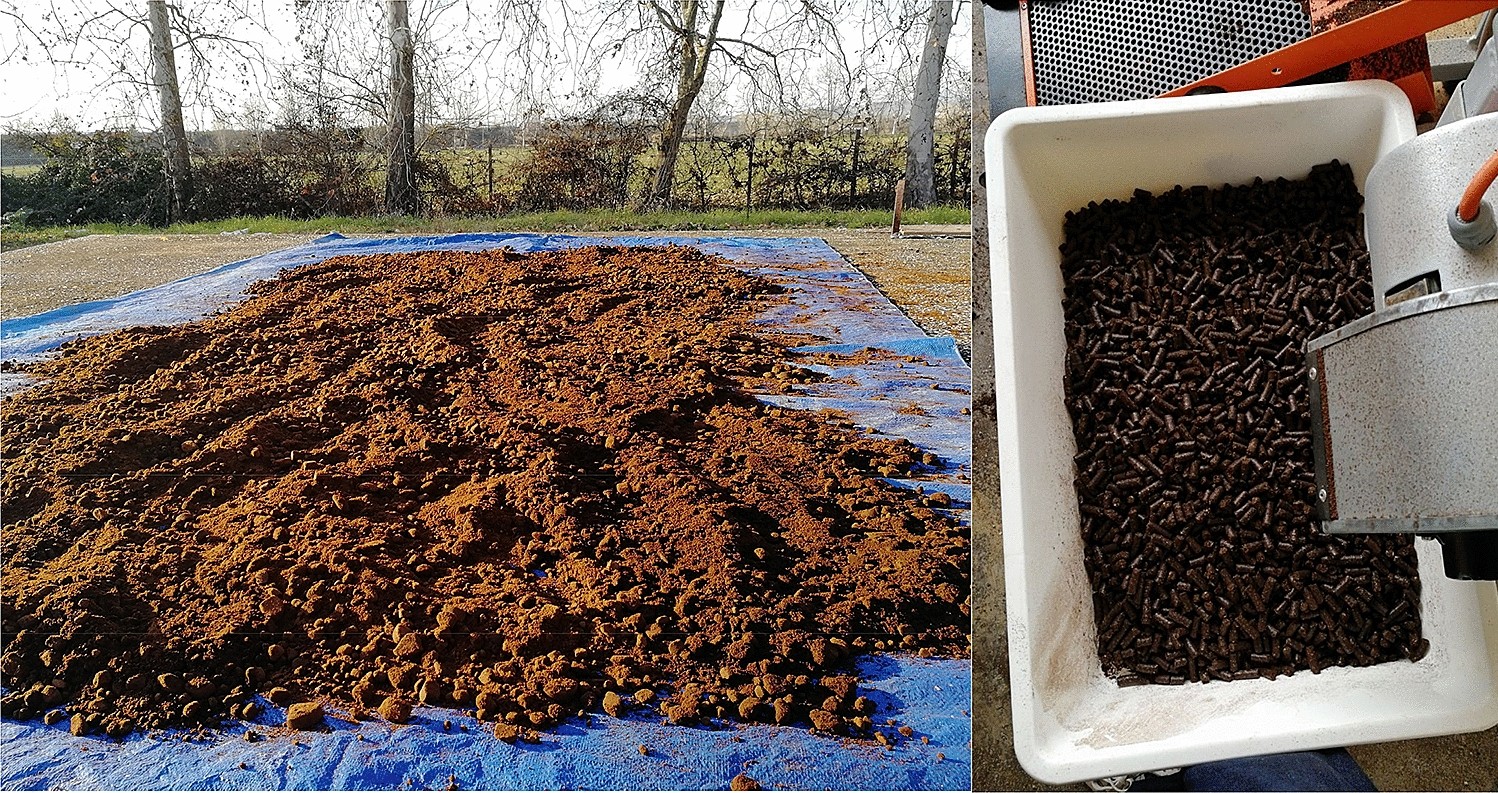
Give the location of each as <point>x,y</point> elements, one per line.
<point>1186,314</point>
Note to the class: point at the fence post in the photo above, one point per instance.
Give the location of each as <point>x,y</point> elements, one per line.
<point>621,196</point>
<point>899,204</point>
<point>953,171</point>
<point>853,185</point>
<point>749,180</point>
<point>491,172</point>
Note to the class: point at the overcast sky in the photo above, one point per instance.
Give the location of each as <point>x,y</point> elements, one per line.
<point>101,84</point>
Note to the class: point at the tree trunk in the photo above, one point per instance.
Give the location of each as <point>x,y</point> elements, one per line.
<point>920,148</point>
<point>695,51</point>
<point>173,130</point>
<point>401,195</point>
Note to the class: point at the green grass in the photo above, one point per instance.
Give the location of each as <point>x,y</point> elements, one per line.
<point>591,220</point>
<point>20,238</point>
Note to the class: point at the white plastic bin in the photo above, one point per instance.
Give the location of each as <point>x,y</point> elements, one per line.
<point>1070,721</point>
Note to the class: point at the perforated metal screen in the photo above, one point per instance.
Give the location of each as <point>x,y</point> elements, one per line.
<point>1102,50</point>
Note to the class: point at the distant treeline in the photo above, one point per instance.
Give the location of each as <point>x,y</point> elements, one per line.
<point>304,171</point>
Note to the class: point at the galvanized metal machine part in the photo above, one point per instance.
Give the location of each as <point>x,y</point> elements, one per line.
<point>1405,400</point>
<point>1478,93</point>
<point>1410,192</point>
<point>1103,50</point>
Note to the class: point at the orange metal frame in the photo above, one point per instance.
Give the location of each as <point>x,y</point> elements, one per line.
<point>1024,47</point>
<point>1347,41</point>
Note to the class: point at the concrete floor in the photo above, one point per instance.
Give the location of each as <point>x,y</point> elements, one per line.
<point>1459,762</point>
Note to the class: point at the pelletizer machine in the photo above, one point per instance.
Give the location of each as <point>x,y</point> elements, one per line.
<point>1404,401</point>
<point>1406,424</point>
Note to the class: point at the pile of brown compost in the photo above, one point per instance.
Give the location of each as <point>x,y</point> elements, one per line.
<point>528,485</point>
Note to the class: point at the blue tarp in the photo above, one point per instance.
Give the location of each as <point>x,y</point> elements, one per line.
<point>914,387</point>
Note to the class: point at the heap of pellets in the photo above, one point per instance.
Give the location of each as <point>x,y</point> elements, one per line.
<point>1187,315</point>
<point>532,486</point>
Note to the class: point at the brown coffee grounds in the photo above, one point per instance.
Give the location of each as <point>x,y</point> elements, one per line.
<point>1187,315</point>
<point>518,484</point>
<point>1328,14</point>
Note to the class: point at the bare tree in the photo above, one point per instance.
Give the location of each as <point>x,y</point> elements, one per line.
<point>771,44</point>
<point>110,42</point>
<point>132,52</point>
<point>413,70</point>
<point>920,147</point>
<point>173,129</point>
<point>401,195</point>
<point>684,41</point>
<point>693,50</point>
<point>392,87</point>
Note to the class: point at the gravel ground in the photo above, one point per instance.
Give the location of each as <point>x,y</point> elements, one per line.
<point>1456,762</point>
<point>929,279</point>
<point>926,278</point>
<point>44,277</point>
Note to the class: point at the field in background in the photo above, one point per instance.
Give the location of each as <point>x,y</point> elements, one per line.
<point>839,168</point>
<point>558,221</point>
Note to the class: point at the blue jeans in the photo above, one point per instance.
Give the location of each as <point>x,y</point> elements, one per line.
<point>1329,769</point>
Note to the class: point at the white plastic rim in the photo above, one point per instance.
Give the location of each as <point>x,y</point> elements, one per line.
<point>1071,722</point>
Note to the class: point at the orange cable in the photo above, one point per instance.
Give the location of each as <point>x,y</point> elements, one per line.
<point>1472,196</point>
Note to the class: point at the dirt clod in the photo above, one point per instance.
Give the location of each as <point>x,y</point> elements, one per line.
<point>684,709</point>
<point>304,715</point>
<point>826,722</point>
<point>508,733</point>
<point>400,484</point>
<point>744,782</point>
<point>119,727</point>
<point>395,710</point>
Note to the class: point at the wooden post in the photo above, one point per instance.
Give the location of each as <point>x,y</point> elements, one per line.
<point>173,131</point>
<point>956,172</point>
<point>899,204</point>
<point>491,173</point>
<point>853,183</point>
<point>749,180</point>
